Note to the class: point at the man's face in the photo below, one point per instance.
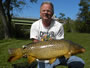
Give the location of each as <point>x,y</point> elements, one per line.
<point>46,12</point>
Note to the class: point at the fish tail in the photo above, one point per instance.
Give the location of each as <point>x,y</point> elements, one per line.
<point>15,54</point>
<point>83,50</point>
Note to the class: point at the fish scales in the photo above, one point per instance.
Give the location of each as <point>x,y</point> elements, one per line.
<point>48,50</point>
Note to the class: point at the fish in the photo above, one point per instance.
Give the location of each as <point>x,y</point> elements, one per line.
<point>46,50</point>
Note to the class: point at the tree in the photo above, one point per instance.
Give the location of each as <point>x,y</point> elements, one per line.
<point>61,16</point>
<point>6,6</point>
<point>4,20</point>
<point>84,14</point>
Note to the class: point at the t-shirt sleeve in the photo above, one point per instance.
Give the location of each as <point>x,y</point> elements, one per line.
<point>60,33</point>
<point>34,31</point>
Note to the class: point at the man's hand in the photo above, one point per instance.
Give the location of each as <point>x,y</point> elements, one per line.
<point>35,40</point>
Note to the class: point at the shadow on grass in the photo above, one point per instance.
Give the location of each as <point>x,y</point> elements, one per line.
<point>25,65</point>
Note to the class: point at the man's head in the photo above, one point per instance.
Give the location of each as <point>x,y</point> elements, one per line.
<point>46,10</point>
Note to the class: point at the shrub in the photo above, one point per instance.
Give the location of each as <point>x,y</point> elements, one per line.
<point>67,27</point>
<point>77,26</point>
<point>22,32</point>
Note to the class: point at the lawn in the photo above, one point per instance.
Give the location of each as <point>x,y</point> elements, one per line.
<point>80,38</point>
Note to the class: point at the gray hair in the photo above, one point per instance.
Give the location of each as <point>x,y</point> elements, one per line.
<point>48,2</point>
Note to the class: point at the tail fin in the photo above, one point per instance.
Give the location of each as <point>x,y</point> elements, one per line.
<point>15,54</point>
<point>83,50</point>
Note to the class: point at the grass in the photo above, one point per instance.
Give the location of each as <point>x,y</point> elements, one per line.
<point>80,38</point>
<point>4,46</point>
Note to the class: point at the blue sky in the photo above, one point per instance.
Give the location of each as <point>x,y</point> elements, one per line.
<point>69,7</point>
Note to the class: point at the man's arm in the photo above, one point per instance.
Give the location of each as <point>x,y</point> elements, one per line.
<point>60,33</point>
<point>35,40</point>
<point>34,32</point>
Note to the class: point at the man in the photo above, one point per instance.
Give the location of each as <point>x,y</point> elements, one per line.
<point>48,28</point>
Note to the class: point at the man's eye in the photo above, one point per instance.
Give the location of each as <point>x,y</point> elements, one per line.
<point>46,10</point>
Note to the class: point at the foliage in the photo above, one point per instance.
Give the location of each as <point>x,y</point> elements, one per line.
<point>6,6</point>
<point>69,26</point>
<point>61,16</point>
<point>33,1</point>
<point>22,31</point>
<point>77,26</point>
<point>82,27</point>
<point>84,14</point>
<point>82,23</point>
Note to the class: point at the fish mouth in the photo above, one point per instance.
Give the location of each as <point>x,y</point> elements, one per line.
<point>13,58</point>
<point>10,59</point>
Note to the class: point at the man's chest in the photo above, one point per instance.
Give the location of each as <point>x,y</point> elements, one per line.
<point>49,32</point>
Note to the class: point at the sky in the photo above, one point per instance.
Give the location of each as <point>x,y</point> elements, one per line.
<point>32,10</point>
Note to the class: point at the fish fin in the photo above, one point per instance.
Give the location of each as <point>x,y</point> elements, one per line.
<point>67,55</point>
<point>13,58</point>
<point>15,54</point>
<point>30,59</point>
<point>52,60</point>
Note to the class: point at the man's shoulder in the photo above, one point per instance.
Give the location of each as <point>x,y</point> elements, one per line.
<point>37,22</point>
<point>57,23</point>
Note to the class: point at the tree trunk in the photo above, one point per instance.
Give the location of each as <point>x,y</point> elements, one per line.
<point>10,27</point>
<point>4,21</point>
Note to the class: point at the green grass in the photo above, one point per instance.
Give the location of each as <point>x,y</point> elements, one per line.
<point>4,46</point>
<point>80,38</point>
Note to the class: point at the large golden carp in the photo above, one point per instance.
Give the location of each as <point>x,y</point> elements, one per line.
<point>46,50</point>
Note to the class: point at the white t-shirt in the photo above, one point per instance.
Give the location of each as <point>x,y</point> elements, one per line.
<point>54,31</point>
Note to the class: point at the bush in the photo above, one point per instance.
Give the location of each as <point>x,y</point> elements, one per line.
<point>22,32</point>
<point>82,27</point>
<point>67,27</point>
<point>77,26</point>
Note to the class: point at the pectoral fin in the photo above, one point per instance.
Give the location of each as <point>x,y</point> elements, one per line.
<point>67,55</point>
<point>52,60</point>
<point>31,59</point>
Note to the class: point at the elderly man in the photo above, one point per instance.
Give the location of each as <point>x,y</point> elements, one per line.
<point>49,28</point>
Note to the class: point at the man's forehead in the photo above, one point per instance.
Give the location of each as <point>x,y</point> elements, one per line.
<point>46,6</point>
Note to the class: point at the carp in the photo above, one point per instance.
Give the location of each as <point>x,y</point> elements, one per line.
<point>46,50</point>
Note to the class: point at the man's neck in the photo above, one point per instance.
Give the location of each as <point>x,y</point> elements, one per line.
<point>46,23</point>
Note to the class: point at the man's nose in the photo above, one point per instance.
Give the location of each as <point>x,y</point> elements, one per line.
<point>45,11</point>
